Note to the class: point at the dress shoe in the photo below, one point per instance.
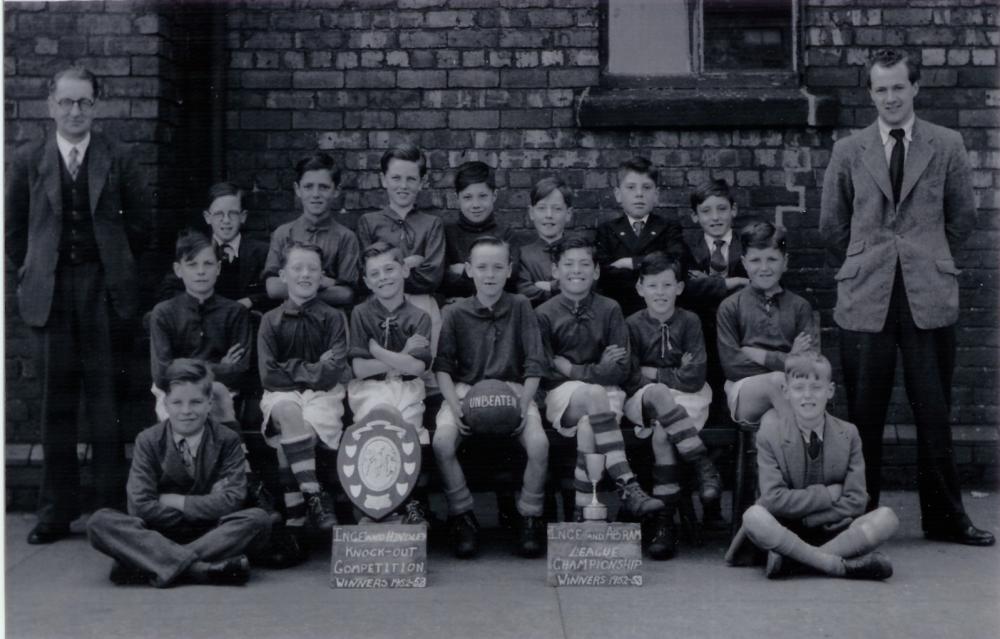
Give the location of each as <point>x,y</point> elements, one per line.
<point>464,532</point>
<point>662,537</point>
<point>875,566</point>
<point>531,537</point>
<point>234,571</point>
<point>44,534</point>
<point>122,575</point>
<point>967,534</point>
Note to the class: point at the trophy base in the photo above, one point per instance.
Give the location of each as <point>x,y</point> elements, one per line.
<point>598,512</point>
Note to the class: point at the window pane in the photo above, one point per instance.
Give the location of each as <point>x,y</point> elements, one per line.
<point>649,37</point>
<point>747,35</point>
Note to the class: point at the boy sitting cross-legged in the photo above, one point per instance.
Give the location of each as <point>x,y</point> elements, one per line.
<point>302,352</point>
<point>812,502</point>
<point>587,342</point>
<point>185,489</point>
<point>668,396</point>
<point>491,335</point>
<point>390,349</point>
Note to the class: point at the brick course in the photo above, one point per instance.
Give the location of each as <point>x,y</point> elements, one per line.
<point>497,80</point>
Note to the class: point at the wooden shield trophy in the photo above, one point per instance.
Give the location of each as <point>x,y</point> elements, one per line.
<point>379,462</point>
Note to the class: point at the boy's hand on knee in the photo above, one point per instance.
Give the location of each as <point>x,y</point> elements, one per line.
<point>649,372</point>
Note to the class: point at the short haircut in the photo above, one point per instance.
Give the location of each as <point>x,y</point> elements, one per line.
<point>318,161</point>
<point>545,187</point>
<point>188,371</point>
<point>380,248</point>
<point>190,243</point>
<point>75,72</point>
<point>470,173</point>
<point>302,246</point>
<point>886,58</point>
<point>763,235</point>
<point>808,364</point>
<point>223,189</point>
<point>657,262</point>
<point>407,153</point>
<point>570,243</point>
<point>488,240</point>
<point>639,165</point>
<point>717,188</point>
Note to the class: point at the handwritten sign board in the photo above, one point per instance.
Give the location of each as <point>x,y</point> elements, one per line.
<point>379,556</point>
<point>594,554</point>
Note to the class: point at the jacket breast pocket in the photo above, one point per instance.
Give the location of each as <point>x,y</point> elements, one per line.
<point>848,271</point>
<point>948,267</point>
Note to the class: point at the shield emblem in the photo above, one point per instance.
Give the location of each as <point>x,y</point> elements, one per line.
<point>379,461</point>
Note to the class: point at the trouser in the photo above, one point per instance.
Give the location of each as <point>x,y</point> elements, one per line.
<point>167,554</point>
<point>928,357</point>
<point>81,347</point>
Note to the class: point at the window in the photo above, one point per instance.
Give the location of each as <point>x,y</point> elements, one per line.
<point>707,63</point>
<point>683,37</point>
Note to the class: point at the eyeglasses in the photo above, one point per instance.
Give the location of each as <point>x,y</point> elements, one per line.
<point>86,105</point>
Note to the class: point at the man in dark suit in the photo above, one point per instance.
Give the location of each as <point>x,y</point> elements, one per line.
<point>185,489</point>
<point>897,202</point>
<point>637,232</point>
<point>76,217</point>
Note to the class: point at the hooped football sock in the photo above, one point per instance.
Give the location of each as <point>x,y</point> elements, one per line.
<point>581,481</point>
<point>608,440</point>
<point>459,500</point>
<point>301,456</point>
<point>666,484</point>
<point>682,433</point>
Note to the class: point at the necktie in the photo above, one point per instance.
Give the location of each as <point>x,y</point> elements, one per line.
<point>229,253</point>
<point>186,455</point>
<point>74,162</point>
<point>637,227</point>
<point>718,260</point>
<point>896,164</point>
<point>814,445</point>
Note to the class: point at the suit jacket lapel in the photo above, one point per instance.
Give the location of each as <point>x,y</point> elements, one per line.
<point>873,157</point>
<point>205,461</point>
<point>654,226</point>
<point>173,465</point>
<point>918,156</point>
<point>795,462</point>
<point>834,448</point>
<point>735,254</point>
<point>623,229</point>
<point>700,254</point>
<point>98,163</point>
<point>50,171</point>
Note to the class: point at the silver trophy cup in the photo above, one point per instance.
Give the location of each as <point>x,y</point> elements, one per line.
<point>595,511</point>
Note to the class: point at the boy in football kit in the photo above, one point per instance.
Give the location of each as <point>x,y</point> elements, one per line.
<point>491,335</point>
<point>586,341</point>
<point>389,349</point>
<point>760,325</point>
<point>419,235</point>
<point>550,211</point>
<point>302,353</point>
<point>475,185</point>
<point>317,177</point>
<point>668,396</point>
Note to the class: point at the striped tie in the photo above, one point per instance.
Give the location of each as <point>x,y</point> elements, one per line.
<point>74,162</point>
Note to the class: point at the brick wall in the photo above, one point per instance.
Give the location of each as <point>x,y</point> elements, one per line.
<point>498,80</point>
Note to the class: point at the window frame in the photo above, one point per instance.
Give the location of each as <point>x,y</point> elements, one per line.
<point>698,78</point>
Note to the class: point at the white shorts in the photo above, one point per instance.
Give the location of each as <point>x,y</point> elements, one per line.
<point>733,394</point>
<point>323,411</point>
<point>557,401</point>
<point>446,417</point>
<point>219,402</point>
<point>406,396</point>
<point>696,405</point>
<point>429,305</point>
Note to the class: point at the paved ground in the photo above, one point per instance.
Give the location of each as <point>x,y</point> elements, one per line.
<point>939,590</point>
